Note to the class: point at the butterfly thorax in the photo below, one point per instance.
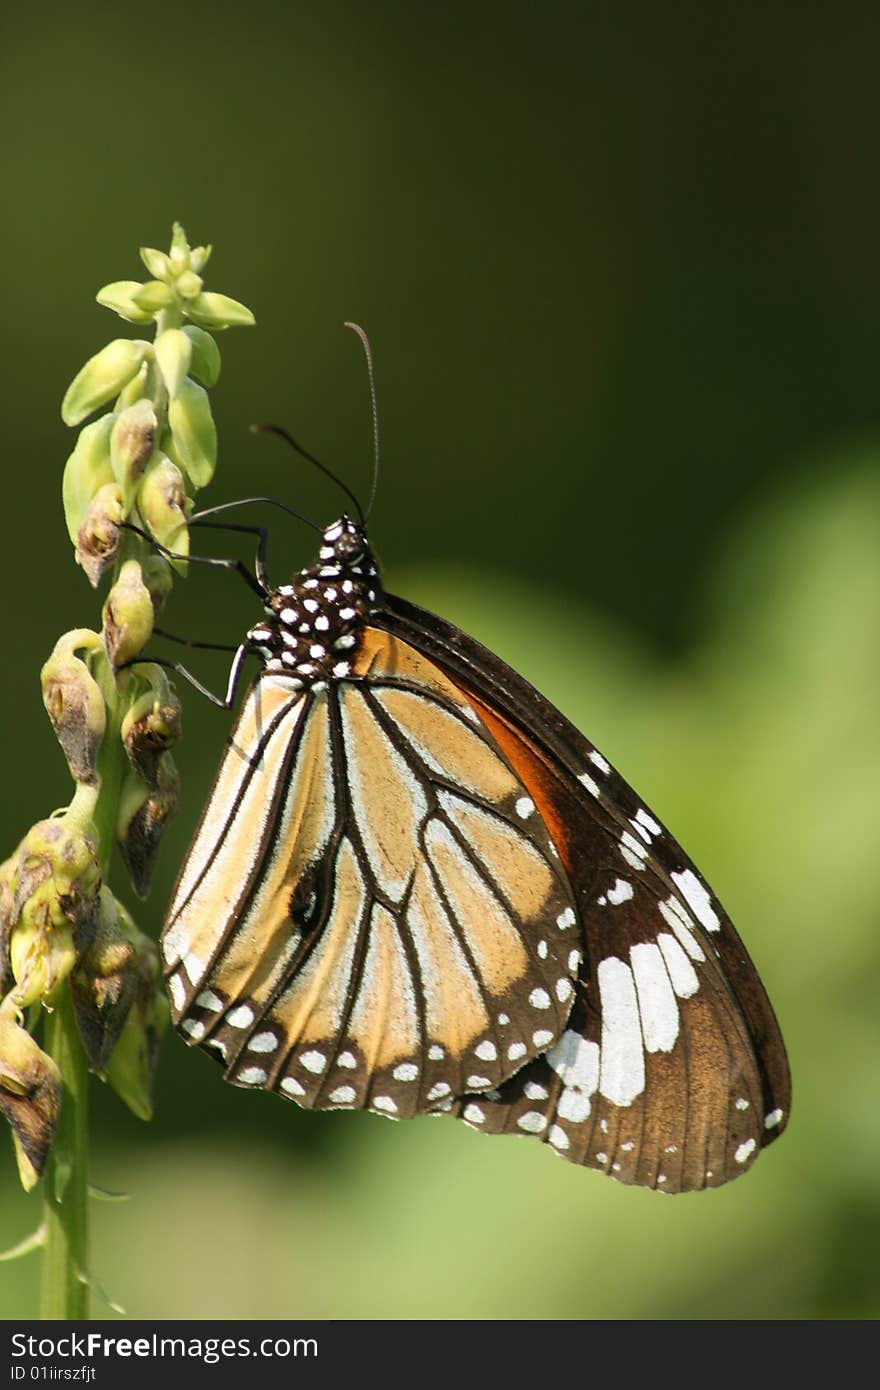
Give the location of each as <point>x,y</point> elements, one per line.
<point>312,625</point>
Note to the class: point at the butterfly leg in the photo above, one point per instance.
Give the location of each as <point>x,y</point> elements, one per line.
<point>252,581</point>
<point>221,701</point>
<point>262,534</point>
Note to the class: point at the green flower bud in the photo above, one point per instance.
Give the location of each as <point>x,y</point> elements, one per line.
<point>97,540</point>
<point>103,376</point>
<point>144,383</point>
<point>74,703</point>
<point>154,296</point>
<point>132,1066</point>
<point>199,257</point>
<point>128,615</point>
<point>118,297</point>
<point>179,255</point>
<point>157,262</point>
<point>54,905</point>
<point>131,445</point>
<point>151,725</point>
<point>174,350</point>
<point>104,984</point>
<point>205,362</point>
<point>189,284</point>
<point>217,311</point>
<point>144,812</point>
<point>162,502</point>
<point>87,470</point>
<point>30,1094</point>
<point>193,432</point>
<point>158,578</point>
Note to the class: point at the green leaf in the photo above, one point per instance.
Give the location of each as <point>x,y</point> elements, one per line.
<point>103,377</point>
<point>193,432</point>
<point>205,362</point>
<point>218,311</point>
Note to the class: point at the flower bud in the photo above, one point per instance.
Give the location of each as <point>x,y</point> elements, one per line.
<point>104,984</point>
<point>205,362</point>
<point>128,615</point>
<point>118,297</point>
<point>151,725</point>
<point>30,1094</point>
<point>162,503</point>
<point>54,905</point>
<point>158,578</point>
<point>132,1066</point>
<point>199,257</point>
<point>144,812</point>
<point>173,354</point>
<point>193,432</point>
<point>74,703</point>
<point>216,311</point>
<point>189,284</point>
<point>131,445</point>
<point>144,383</point>
<point>179,256</point>
<point>87,470</point>
<point>154,296</point>
<point>157,262</point>
<point>101,378</point>
<point>97,540</point>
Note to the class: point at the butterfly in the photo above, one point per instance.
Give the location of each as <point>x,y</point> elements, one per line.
<point>417,888</point>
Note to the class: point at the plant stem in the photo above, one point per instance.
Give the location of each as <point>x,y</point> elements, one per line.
<point>65,1292</point>
<point>65,1287</point>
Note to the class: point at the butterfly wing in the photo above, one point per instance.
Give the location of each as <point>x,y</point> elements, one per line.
<point>671,1072</point>
<point>372,913</point>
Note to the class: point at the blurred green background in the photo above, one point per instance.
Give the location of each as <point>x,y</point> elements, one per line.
<point>619,265</point>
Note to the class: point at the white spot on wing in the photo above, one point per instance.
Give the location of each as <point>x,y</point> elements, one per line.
<point>598,761</point>
<point>772,1120</point>
<point>621,892</point>
<point>313,1061</point>
<point>657,1004</point>
<point>532,1122</point>
<point>622,1074</point>
<point>681,972</point>
<point>744,1151</point>
<point>698,899</point>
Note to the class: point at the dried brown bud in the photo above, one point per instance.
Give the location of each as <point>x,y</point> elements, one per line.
<point>103,985</point>
<point>151,725</point>
<point>143,815</point>
<point>98,539</point>
<point>74,702</point>
<point>30,1094</point>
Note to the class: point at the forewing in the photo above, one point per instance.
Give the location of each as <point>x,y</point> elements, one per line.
<point>401,932</point>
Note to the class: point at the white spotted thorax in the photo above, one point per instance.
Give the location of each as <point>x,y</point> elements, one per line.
<point>311,627</point>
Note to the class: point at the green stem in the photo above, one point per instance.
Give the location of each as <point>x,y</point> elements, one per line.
<point>65,1289</point>
<point>65,1292</point>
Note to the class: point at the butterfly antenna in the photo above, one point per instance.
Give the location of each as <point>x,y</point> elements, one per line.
<point>304,453</point>
<point>365,342</point>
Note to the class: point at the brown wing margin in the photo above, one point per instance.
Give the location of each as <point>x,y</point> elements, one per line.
<point>519,712</point>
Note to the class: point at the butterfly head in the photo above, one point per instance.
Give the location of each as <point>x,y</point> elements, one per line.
<point>345,542</point>
<point>312,626</point>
